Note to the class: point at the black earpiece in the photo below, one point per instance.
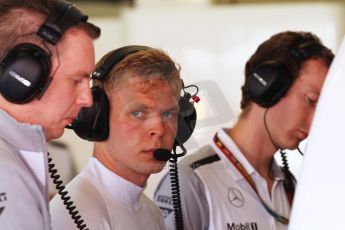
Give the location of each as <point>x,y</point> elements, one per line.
<point>92,123</point>
<point>24,73</point>
<point>268,83</point>
<point>25,68</point>
<point>186,119</point>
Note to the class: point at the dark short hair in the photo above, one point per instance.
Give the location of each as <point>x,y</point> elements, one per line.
<point>282,47</point>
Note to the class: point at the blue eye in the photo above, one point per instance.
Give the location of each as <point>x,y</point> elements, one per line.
<point>136,113</point>
<point>169,114</point>
<point>166,114</point>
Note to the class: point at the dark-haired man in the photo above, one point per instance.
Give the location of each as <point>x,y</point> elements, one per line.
<point>235,183</point>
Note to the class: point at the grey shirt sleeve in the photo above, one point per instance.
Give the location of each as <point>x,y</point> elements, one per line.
<point>18,207</point>
<point>193,199</point>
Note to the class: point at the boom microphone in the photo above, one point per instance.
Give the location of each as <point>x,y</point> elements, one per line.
<point>162,154</point>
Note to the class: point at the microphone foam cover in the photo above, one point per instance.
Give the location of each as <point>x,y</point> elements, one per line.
<point>162,154</point>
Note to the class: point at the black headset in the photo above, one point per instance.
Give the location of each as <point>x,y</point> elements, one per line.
<point>269,81</point>
<point>92,123</point>
<point>25,68</point>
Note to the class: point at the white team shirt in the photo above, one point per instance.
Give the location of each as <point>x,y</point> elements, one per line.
<point>216,196</point>
<point>106,201</point>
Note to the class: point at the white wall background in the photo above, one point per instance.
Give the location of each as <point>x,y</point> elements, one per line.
<point>212,45</point>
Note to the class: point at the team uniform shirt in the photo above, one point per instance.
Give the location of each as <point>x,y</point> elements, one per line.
<point>106,201</point>
<point>23,176</point>
<point>215,195</point>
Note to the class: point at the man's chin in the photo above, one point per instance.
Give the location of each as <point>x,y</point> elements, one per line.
<point>54,134</point>
<point>155,167</point>
<point>292,146</point>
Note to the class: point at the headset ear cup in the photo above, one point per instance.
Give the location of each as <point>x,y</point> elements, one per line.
<point>24,72</point>
<point>268,83</point>
<point>92,123</point>
<point>186,120</point>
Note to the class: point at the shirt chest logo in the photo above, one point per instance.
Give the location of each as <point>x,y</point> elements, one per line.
<point>235,197</point>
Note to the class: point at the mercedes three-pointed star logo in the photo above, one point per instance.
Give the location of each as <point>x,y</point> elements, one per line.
<point>235,197</point>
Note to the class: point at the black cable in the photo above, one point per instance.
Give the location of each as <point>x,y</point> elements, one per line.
<point>66,199</point>
<point>196,87</point>
<point>289,178</point>
<point>300,151</point>
<point>175,190</point>
<point>189,86</point>
<point>267,130</point>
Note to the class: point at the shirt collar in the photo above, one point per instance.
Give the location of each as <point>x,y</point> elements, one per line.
<point>30,141</point>
<point>118,188</point>
<point>28,137</point>
<point>230,144</point>
<point>37,163</point>
<point>277,171</point>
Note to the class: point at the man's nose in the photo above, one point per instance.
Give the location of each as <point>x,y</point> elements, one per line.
<point>85,97</point>
<point>156,128</point>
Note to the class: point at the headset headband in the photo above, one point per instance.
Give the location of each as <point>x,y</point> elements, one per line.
<point>307,50</point>
<point>116,56</point>
<point>62,16</point>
